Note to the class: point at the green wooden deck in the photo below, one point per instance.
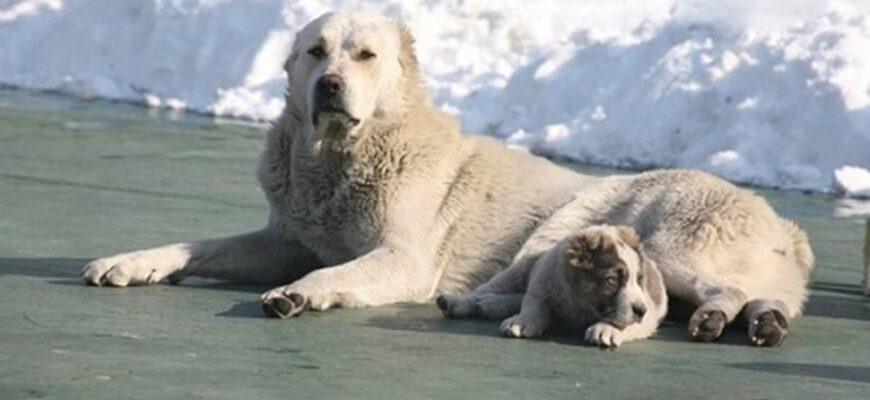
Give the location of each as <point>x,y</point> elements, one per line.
<point>80,180</point>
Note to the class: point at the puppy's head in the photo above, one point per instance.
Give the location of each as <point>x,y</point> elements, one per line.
<point>605,267</point>
<point>347,68</point>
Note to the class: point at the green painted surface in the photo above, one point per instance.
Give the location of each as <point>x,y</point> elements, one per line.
<point>80,180</point>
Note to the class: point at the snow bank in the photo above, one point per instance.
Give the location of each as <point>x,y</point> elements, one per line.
<point>775,96</point>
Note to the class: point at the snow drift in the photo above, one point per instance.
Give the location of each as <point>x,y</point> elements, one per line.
<point>776,96</point>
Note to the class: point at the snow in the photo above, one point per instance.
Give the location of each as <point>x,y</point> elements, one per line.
<point>773,93</point>
<point>852,181</point>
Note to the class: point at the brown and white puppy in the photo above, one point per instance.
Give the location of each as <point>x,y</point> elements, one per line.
<point>597,280</point>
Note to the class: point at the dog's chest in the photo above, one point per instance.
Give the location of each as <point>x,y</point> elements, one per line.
<point>334,209</point>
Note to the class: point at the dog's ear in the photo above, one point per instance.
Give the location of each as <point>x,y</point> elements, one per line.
<point>407,56</point>
<point>291,59</point>
<point>629,236</point>
<point>580,251</point>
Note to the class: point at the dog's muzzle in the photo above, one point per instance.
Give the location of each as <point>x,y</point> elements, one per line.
<point>329,93</point>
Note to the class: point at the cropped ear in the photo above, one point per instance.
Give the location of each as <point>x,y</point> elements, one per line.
<point>407,56</point>
<point>629,236</point>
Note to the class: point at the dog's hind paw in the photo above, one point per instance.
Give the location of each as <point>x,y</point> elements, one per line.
<point>457,306</point>
<point>706,325</point>
<point>768,328</point>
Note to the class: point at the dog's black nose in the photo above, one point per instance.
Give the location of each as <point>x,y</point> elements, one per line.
<point>639,310</point>
<point>330,84</point>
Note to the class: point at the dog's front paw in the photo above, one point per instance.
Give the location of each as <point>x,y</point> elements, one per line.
<point>516,327</point>
<point>135,268</point>
<point>604,335</point>
<point>768,329</point>
<point>291,300</point>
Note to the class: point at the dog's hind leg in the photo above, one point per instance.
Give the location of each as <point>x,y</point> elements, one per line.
<point>767,321</point>
<point>717,307</point>
<point>497,306</point>
<point>511,281</point>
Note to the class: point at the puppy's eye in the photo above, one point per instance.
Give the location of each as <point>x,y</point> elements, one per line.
<point>366,55</point>
<point>611,280</point>
<point>640,279</point>
<point>317,52</point>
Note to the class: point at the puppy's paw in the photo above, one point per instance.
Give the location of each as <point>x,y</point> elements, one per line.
<point>516,327</point>
<point>135,268</point>
<point>706,325</point>
<point>768,328</point>
<point>457,306</point>
<point>604,335</point>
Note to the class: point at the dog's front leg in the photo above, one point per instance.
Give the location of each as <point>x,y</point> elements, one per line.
<point>384,275</point>
<point>260,256</point>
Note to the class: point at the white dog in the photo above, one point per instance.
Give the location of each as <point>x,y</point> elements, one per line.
<point>375,197</point>
<point>717,246</point>
<point>597,280</point>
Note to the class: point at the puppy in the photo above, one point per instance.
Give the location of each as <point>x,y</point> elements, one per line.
<point>597,280</point>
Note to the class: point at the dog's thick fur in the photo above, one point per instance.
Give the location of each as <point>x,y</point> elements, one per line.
<point>375,197</point>
<point>598,281</point>
<point>717,246</point>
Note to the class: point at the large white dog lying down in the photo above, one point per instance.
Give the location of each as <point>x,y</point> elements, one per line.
<point>375,196</point>
<point>718,247</point>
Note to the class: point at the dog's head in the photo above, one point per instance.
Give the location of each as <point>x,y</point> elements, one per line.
<point>348,68</point>
<point>606,269</point>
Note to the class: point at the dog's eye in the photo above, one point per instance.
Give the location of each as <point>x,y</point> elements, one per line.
<point>366,55</point>
<point>611,280</point>
<point>640,279</point>
<point>317,52</point>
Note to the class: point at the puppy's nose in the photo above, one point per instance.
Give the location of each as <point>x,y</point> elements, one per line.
<point>639,310</point>
<point>330,84</point>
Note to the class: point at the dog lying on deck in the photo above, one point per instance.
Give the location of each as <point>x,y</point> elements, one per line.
<point>375,197</point>
<point>718,247</point>
<point>597,281</point>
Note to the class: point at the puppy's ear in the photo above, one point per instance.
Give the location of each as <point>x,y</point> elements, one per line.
<point>579,252</point>
<point>407,56</point>
<point>629,236</point>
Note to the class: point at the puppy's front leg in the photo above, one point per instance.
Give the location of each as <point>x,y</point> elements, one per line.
<point>534,318</point>
<point>384,275</point>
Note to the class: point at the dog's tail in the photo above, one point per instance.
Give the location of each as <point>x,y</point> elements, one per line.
<point>803,254</point>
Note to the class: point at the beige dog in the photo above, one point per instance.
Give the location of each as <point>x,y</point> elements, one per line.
<point>597,281</point>
<point>717,246</point>
<point>375,196</point>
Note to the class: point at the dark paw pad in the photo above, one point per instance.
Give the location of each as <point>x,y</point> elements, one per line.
<point>707,327</point>
<point>443,305</point>
<point>768,329</point>
<point>280,307</point>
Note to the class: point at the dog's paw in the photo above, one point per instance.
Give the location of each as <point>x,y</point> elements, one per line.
<point>292,300</point>
<point>768,328</point>
<point>457,306</point>
<point>135,268</point>
<point>604,335</point>
<point>706,325</point>
<point>515,327</point>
